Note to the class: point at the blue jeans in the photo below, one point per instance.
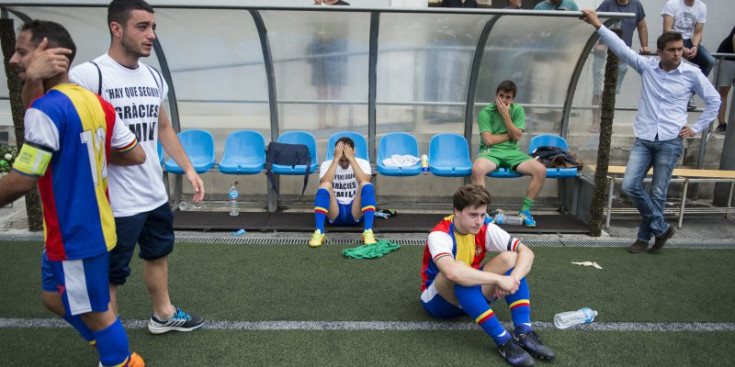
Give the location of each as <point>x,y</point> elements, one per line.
<point>662,156</point>
<point>704,58</point>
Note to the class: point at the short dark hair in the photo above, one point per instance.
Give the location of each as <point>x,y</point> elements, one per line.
<point>667,37</point>
<point>56,34</point>
<point>345,140</point>
<point>119,10</point>
<point>470,195</point>
<point>507,86</point>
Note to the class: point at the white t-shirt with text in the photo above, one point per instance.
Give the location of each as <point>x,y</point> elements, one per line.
<point>137,95</point>
<point>345,183</point>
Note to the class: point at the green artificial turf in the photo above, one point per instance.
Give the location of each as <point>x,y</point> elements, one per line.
<point>289,282</point>
<point>62,347</point>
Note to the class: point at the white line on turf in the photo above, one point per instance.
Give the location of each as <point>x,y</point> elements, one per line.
<point>389,325</point>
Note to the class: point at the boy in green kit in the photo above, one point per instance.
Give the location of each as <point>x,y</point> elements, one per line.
<point>502,124</point>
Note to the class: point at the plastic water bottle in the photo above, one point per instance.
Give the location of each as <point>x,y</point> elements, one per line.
<point>185,206</point>
<point>233,205</point>
<point>424,164</point>
<point>501,219</point>
<point>568,319</point>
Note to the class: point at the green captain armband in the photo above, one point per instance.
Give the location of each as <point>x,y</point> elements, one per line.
<point>32,161</point>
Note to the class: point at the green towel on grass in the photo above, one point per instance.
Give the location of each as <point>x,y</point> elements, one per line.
<point>373,251</point>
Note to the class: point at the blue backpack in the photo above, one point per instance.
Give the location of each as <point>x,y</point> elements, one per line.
<point>287,155</point>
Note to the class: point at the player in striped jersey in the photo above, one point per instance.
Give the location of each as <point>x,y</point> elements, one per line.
<point>70,135</point>
<point>455,280</point>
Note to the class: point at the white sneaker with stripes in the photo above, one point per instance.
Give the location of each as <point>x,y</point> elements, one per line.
<point>180,321</point>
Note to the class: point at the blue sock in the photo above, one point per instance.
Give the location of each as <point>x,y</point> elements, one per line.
<point>81,327</point>
<point>112,344</point>
<point>321,207</point>
<point>474,304</point>
<point>367,198</point>
<point>520,307</point>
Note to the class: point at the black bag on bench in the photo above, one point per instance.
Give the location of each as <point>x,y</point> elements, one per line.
<point>287,155</point>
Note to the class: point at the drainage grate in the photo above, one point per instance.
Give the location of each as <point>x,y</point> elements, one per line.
<point>412,239</point>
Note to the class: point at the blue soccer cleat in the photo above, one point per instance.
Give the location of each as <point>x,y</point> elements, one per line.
<point>527,218</point>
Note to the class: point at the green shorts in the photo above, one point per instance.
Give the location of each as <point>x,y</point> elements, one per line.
<point>504,158</point>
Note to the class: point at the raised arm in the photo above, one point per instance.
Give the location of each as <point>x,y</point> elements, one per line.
<point>612,40</point>
<point>44,64</point>
<point>514,133</point>
<point>328,175</point>
<point>359,173</point>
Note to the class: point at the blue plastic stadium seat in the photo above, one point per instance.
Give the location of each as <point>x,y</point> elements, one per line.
<point>160,153</point>
<point>552,141</point>
<point>244,153</point>
<point>298,137</point>
<point>199,147</point>
<point>504,173</point>
<point>547,140</point>
<point>400,144</point>
<point>361,150</point>
<point>449,155</point>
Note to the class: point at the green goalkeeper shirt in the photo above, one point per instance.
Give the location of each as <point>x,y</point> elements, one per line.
<point>489,119</point>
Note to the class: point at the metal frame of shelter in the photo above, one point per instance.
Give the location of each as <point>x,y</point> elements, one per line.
<point>375,16</point>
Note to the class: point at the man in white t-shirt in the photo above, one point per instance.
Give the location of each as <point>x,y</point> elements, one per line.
<point>137,194</point>
<point>456,279</point>
<point>345,195</point>
<point>688,17</point>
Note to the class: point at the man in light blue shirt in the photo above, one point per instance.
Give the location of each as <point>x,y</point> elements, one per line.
<point>660,125</point>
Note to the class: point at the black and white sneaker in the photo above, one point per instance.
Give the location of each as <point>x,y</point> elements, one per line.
<point>532,343</point>
<point>514,354</point>
<point>180,321</point>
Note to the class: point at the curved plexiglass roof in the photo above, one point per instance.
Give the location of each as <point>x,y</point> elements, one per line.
<point>328,69</point>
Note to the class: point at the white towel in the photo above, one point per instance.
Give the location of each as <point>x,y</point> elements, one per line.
<point>400,160</point>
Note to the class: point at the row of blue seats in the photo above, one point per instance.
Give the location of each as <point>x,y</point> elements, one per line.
<point>244,153</point>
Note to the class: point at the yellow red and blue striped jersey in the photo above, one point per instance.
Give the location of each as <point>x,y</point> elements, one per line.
<point>78,128</point>
<point>469,249</point>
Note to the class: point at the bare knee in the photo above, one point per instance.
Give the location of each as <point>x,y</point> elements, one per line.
<point>480,168</point>
<point>538,171</point>
<point>326,185</point>
<point>507,259</point>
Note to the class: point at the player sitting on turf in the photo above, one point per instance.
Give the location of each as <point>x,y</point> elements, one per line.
<point>345,194</point>
<point>502,124</point>
<point>456,281</point>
